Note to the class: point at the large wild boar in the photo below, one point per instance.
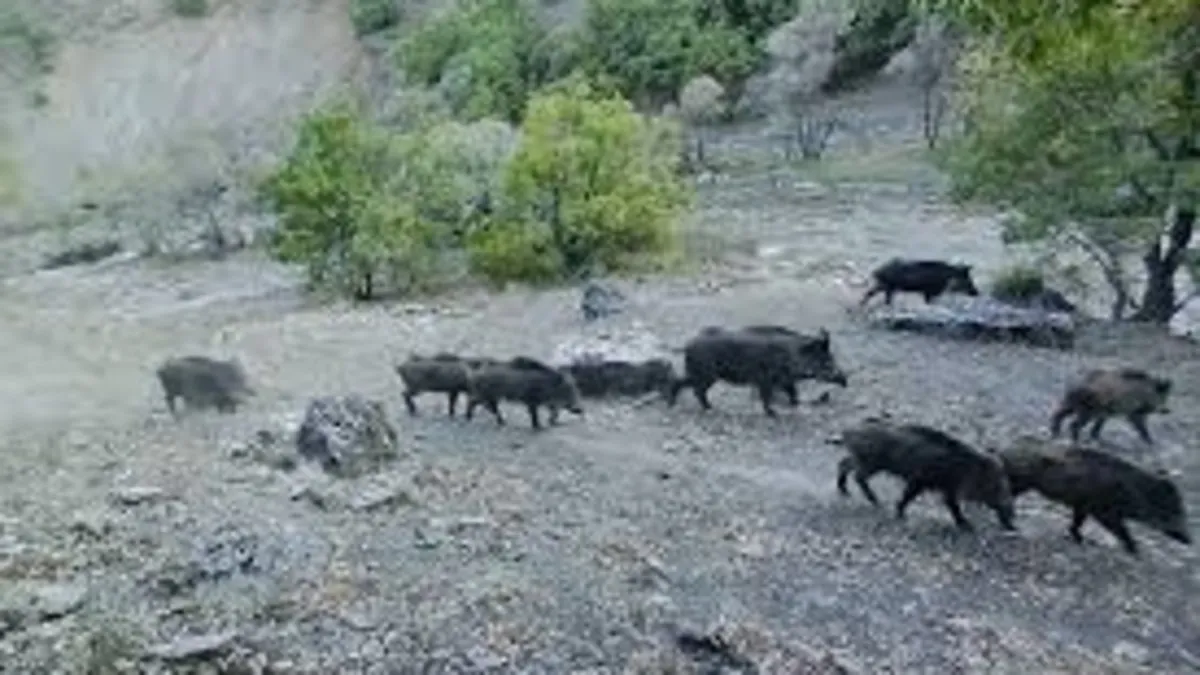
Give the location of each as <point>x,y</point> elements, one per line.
<point>1095,484</point>
<point>925,459</point>
<point>930,278</point>
<point>203,382</point>
<point>443,373</point>
<point>1103,393</point>
<point>765,357</point>
<point>525,380</point>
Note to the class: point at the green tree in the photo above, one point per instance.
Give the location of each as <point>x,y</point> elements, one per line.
<point>1084,119</point>
<point>484,55</point>
<point>651,48</point>
<point>592,185</point>
<point>340,212</point>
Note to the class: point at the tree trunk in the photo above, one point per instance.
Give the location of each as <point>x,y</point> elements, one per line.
<point>1158,300</point>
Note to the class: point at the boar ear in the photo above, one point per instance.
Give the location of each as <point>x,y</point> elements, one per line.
<point>823,336</point>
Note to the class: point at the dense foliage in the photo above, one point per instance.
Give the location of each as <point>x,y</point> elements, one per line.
<point>592,185</point>
<point>586,183</point>
<point>1084,120</point>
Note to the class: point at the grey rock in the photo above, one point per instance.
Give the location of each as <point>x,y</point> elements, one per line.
<point>600,301</point>
<point>194,646</point>
<point>379,497</point>
<point>134,495</point>
<point>58,600</point>
<point>981,319</point>
<point>635,344</point>
<point>347,436</point>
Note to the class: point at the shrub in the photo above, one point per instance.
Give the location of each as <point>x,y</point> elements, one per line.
<point>25,41</point>
<point>1019,282</point>
<point>339,212</point>
<point>592,184</point>
<point>652,47</point>
<point>372,16</point>
<point>480,55</point>
<point>190,9</point>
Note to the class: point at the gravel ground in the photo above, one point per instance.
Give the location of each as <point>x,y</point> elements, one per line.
<point>580,549</point>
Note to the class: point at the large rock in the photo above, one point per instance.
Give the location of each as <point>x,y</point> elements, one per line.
<point>600,301</point>
<point>346,435</point>
<point>983,319</point>
<point>635,344</point>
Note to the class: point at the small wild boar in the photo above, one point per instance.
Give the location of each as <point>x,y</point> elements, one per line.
<point>1103,393</point>
<point>443,373</point>
<point>203,382</point>
<point>525,380</point>
<point>1095,484</point>
<point>930,278</point>
<point>925,459</point>
<point>622,378</point>
<point>765,357</point>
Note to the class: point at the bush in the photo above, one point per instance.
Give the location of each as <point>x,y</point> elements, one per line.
<point>373,16</point>
<point>340,213</point>
<point>1019,282</point>
<point>653,47</point>
<point>480,55</point>
<point>592,184</point>
<point>190,9</point>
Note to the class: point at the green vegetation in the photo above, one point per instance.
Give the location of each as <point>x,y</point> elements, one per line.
<point>368,210</point>
<point>1019,282</point>
<point>339,214</point>
<point>190,9</point>
<point>373,16</point>
<point>1084,120</point>
<point>24,38</point>
<point>592,185</point>
<point>481,55</point>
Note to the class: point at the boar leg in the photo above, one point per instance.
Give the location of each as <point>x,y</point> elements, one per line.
<point>844,468</point>
<point>553,414</point>
<point>1097,427</point>
<point>471,403</point>
<point>1117,527</point>
<point>792,394</point>
<point>764,395</point>
<point>1138,420</point>
<point>1056,420</point>
<point>861,477</point>
<point>874,290</point>
<point>494,406</point>
<point>950,499</point>
<point>409,403</point>
<point>452,402</point>
<point>1077,425</point>
<point>700,389</point>
<point>171,405</point>
<point>533,415</point>
<point>912,490</point>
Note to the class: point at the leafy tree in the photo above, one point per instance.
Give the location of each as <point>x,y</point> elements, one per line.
<point>481,55</point>
<point>1085,121</point>
<point>592,184</point>
<point>651,48</point>
<point>340,213</point>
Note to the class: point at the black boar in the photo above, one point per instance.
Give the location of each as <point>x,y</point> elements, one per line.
<point>443,373</point>
<point>925,459</point>
<point>1098,485</point>
<point>622,378</point>
<point>767,358</point>
<point>1104,393</point>
<point>527,381</point>
<point>930,278</point>
<point>203,383</point>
